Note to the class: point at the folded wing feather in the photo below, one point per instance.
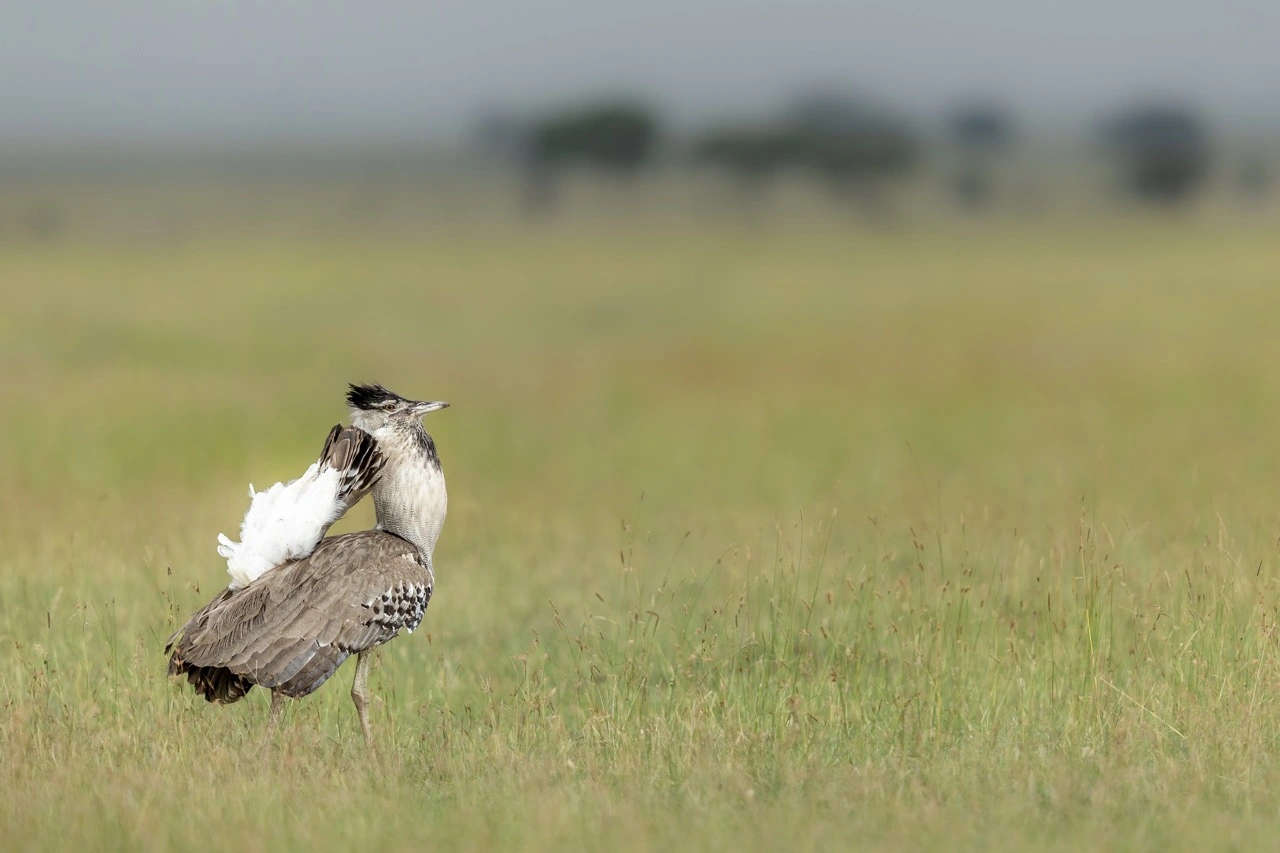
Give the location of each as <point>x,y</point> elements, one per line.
<point>288,520</point>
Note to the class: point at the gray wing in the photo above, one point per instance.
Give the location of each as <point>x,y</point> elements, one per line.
<point>293,627</point>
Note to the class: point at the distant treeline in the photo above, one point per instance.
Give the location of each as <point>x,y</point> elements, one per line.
<point>1161,152</point>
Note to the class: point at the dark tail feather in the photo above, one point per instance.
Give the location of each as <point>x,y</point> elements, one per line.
<point>216,684</point>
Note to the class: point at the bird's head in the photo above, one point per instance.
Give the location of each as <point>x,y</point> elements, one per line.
<point>376,410</point>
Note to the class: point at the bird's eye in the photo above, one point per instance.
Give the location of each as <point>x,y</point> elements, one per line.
<point>389,406</point>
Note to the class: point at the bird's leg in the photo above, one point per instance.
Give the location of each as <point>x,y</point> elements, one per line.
<point>360,695</point>
<point>277,705</point>
<point>273,720</point>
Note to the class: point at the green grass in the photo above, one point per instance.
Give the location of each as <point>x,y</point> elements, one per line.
<point>959,538</point>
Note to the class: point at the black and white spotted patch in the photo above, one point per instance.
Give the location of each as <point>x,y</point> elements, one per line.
<point>401,606</point>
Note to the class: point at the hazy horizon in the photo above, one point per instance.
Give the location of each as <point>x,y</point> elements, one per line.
<point>393,70</point>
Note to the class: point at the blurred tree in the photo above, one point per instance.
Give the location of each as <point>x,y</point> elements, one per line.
<point>1162,150</point>
<point>982,128</point>
<point>980,132</point>
<point>615,137</point>
<point>752,156</point>
<point>857,149</point>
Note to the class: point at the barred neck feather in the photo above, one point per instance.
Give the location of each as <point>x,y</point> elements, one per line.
<point>410,499</point>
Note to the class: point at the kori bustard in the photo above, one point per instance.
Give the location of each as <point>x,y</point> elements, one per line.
<point>300,604</point>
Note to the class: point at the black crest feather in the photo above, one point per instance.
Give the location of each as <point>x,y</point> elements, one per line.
<point>369,397</point>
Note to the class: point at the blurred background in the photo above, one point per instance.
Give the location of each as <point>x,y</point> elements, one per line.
<point>636,242</point>
<point>713,261</point>
<point>603,204</point>
<point>146,121</point>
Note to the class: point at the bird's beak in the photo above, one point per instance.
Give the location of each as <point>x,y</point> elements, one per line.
<point>422,408</point>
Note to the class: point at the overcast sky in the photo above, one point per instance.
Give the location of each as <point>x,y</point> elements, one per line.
<point>165,70</point>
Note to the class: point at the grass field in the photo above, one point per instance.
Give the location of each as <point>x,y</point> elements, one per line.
<point>963,538</point>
